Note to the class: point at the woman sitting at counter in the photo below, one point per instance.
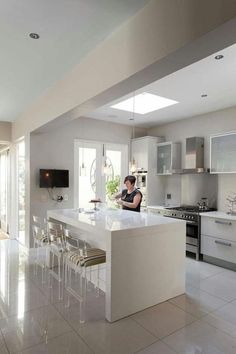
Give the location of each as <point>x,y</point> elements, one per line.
<point>130,198</point>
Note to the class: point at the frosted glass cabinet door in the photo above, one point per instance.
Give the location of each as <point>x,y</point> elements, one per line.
<point>164,159</point>
<point>223,153</point>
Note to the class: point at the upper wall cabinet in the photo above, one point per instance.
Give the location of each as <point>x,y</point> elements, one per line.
<point>144,152</point>
<point>168,158</point>
<point>223,153</point>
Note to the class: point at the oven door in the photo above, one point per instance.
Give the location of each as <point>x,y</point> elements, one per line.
<point>192,237</point>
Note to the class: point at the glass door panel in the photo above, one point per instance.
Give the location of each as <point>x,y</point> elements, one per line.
<point>98,164</point>
<point>87,176</point>
<point>21,191</point>
<point>112,172</point>
<point>4,190</point>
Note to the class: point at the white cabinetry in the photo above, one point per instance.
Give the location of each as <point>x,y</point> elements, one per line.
<point>168,157</point>
<point>218,238</point>
<point>144,153</point>
<point>223,153</point>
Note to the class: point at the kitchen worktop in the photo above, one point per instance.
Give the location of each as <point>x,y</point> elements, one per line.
<point>109,219</point>
<point>219,214</point>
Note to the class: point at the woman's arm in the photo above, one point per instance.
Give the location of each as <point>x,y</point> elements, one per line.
<point>132,205</point>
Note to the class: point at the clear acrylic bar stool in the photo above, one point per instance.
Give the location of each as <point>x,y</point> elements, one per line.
<point>79,260</point>
<point>56,250</point>
<point>40,239</point>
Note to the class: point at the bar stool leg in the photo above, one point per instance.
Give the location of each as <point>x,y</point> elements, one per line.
<point>83,297</point>
<point>97,285</point>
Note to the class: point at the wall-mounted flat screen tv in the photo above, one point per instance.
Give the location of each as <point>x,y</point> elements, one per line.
<point>53,178</point>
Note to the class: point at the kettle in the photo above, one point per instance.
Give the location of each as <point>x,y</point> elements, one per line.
<point>203,204</point>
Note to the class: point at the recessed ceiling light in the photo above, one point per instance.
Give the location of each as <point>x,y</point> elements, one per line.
<point>34,35</point>
<point>219,56</point>
<point>144,103</point>
<point>204,95</point>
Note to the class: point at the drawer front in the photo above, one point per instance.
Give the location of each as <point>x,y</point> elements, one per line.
<point>221,228</point>
<point>156,211</point>
<point>218,248</point>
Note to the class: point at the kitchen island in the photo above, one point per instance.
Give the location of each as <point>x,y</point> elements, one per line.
<point>145,255</point>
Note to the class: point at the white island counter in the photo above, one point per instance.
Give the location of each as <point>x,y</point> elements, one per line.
<point>145,256</point>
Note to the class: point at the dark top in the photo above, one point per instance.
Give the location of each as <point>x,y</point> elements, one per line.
<point>129,197</point>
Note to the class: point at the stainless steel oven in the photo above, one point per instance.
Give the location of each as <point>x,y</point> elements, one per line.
<point>193,225</point>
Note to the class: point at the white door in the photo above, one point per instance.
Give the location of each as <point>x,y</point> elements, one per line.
<point>4,189</point>
<point>96,164</point>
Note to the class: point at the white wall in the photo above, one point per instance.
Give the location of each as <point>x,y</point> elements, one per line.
<point>55,149</point>
<point>203,126</point>
<point>5,131</point>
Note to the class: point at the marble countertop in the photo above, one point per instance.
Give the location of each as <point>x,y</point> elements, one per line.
<point>110,219</point>
<point>219,214</point>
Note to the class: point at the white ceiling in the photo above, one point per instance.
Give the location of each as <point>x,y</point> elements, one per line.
<point>216,78</point>
<point>68,30</point>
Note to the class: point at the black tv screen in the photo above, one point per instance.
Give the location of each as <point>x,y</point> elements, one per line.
<point>53,178</point>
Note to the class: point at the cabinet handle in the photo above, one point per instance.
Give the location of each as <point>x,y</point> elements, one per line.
<point>223,222</point>
<point>223,243</point>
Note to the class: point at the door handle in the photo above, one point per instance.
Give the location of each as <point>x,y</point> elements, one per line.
<point>223,243</point>
<point>223,222</point>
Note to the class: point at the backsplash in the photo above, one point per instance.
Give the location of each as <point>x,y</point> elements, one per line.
<point>173,188</point>
<point>189,189</point>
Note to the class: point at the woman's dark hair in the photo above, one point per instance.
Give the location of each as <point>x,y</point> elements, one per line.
<point>130,178</point>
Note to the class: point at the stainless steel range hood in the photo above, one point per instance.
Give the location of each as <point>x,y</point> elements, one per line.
<point>194,157</point>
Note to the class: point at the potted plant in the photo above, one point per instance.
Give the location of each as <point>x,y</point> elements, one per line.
<point>112,186</point>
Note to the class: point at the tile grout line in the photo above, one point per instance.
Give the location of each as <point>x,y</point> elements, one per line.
<point>160,338</point>
<point>61,315</point>
<point>73,329</point>
<point>40,343</point>
<point>220,298</point>
<point>4,341</point>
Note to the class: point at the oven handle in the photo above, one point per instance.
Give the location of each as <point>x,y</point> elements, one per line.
<point>191,222</point>
<point>188,222</point>
<point>223,243</point>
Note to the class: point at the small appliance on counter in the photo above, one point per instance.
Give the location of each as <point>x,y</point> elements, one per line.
<point>203,204</point>
<point>141,184</point>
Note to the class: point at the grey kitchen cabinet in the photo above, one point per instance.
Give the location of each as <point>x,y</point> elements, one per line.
<point>223,153</point>
<point>168,158</point>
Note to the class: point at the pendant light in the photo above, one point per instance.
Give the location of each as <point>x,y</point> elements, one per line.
<point>82,169</point>
<point>106,170</point>
<point>132,164</point>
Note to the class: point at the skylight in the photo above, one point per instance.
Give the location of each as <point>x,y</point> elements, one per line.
<point>144,103</point>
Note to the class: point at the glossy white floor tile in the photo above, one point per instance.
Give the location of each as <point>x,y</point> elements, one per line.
<point>221,286</point>
<point>197,302</point>
<point>197,271</point>
<point>69,343</point>
<point>33,320</point>
<point>163,319</point>
<point>3,348</point>
<point>224,319</point>
<point>157,348</point>
<point>121,337</point>
<point>200,337</point>
<point>32,327</point>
